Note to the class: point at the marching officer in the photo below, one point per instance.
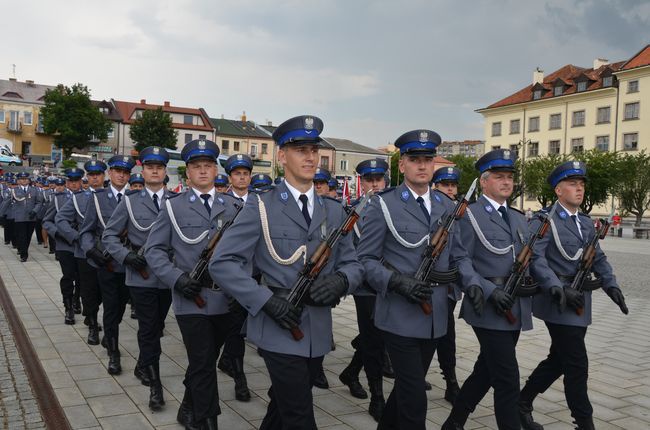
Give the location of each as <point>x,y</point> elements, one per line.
<point>135,215</point>
<point>185,225</point>
<point>84,184</point>
<point>110,274</point>
<point>491,235</point>
<point>69,220</point>
<point>261,182</point>
<point>221,183</point>
<point>446,181</point>
<point>238,169</point>
<point>41,184</point>
<point>396,228</point>
<point>6,211</point>
<point>137,182</point>
<point>555,262</point>
<point>368,345</point>
<point>321,179</point>
<point>278,230</point>
<point>333,185</point>
<point>48,195</point>
<point>27,202</point>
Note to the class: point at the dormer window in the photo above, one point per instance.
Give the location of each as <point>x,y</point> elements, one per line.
<point>607,81</point>
<point>558,90</point>
<point>12,94</point>
<point>581,86</point>
<point>537,94</point>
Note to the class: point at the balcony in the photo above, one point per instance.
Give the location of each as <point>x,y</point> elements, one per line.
<point>39,129</point>
<point>15,127</point>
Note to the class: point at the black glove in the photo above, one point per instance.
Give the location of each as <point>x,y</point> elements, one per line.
<point>475,294</point>
<point>413,290</point>
<point>558,296</point>
<point>32,214</point>
<point>136,261</point>
<point>98,257</point>
<point>187,286</point>
<point>283,313</point>
<point>617,297</point>
<point>574,298</point>
<point>501,300</point>
<point>234,307</point>
<point>327,290</point>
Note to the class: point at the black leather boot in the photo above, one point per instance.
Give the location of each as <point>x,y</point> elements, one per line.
<point>156,399</point>
<point>77,305</point>
<point>209,424</point>
<point>377,401</point>
<point>452,390</point>
<point>387,368</point>
<point>114,365</point>
<point>93,330</point>
<point>143,376</point>
<point>69,311</point>
<point>185,416</point>
<point>225,365</point>
<point>242,392</point>
<point>586,423</point>
<point>350,377</point>
<point>321,380</point>
<point>526,416</point>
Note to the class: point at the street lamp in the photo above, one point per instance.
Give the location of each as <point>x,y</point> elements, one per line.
<point>523,143</point>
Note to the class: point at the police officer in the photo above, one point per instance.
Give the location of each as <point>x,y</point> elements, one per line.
<point>396,227</point>
<point>278,229</point>
<point>84,184</point>
<point>135,215</point>
<point>555,261</point>
<point>68,222</point>
<point>261,182</point>
<point>321,181</point>
<point>491,235</point>
<point>238,169</point>
<point>221,183</point>
<point>7,212</point>
<point>445,181</point>
<point>27,202</point>
<point>333,185</point>
<point>369,345</point>
<point>48,194</point>
<point>110,274</point>
<point>136,182</point>
<point>41,234</point>
<point>185,224</point>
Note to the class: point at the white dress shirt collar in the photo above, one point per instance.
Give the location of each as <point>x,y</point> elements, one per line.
<point>296,196</point>
<point>426,197</point>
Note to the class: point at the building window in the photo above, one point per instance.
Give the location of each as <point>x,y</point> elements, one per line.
<point>533,149</point>
<point>553,146</point>
<point>633,87</point>
<point>581,86</point>
<point>188,119</point>
<point>557,91</point>
<point>188,137</point>
<point>325,162</point>
<point>344,165</point>
<point>138,114</point>
<point>495,147</point>
<point>496,129</point>
<point>537,94</point>
<point>631,111</point>
<point>602,116</point>
<point>533,123</point>
<point>578,119</point>
<point>2,116</point>
<point>225,146</point>
<point>607,81</point>
<point>265,148</point>
<point>630,141</point>
<point>555,121</point>
<point>202,137</point>
<point>235,146</point>
<point>514,126</point>
<point>577,144</point>
<point>515,148</point>
<point>253,150</point>
<point>602,143</point>
<point>27,118</point>
<point>111,132</point>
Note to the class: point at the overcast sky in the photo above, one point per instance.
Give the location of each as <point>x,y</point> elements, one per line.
<point>370,69</point>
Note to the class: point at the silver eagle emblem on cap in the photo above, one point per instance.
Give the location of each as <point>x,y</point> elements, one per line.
<point>309,123</point>
<point>506,153</point>
<point>201,144</point>
<point>576,164</point>
<point>373,163</point>
<point>156,150</point>
<point>424,136</point>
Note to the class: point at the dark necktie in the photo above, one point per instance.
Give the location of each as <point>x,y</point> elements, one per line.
<point>305,208</point>
<point>205,198</point>
<point>420,201</point>
<point>155,202</point>
<point>119,197</point>
<point>504,214</point>
<point>576,226</point>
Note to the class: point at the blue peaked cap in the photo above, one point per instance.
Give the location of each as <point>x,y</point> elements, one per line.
<point>299,130</point>
<point>570,169</point>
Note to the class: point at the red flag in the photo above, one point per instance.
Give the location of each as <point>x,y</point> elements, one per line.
<point>345,198</point>
<point>178,188</point>
<point>358,185</point>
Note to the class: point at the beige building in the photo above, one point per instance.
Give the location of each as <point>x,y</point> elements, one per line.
<point>468,148</point>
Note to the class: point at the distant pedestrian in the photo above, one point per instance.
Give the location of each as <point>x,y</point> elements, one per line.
<point>529,214</point>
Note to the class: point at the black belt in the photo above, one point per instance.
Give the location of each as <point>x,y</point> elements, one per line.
<point>528,289</point>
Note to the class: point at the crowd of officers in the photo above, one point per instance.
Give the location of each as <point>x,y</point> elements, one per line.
<point>142,243</point>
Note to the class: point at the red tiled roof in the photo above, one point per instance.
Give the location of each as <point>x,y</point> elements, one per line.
<point>127,109</point>
<point>642,58</point>
<point>566,74</point>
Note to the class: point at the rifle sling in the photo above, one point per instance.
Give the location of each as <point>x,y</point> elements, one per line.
<point>528,289</point>
<point>590,284</point>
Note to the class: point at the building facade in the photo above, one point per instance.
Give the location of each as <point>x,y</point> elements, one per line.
<point>468,148</point>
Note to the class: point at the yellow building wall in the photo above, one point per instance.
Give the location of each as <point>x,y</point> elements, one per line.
<point>41,144</point>
<point>641,125</point>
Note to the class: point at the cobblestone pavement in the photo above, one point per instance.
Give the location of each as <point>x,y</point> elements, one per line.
<point>619,351</point>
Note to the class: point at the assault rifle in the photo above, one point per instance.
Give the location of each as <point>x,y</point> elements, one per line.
<point>438,242</point>
<point>316,263</point>
<point>124,238</point>
<point>200,268</point>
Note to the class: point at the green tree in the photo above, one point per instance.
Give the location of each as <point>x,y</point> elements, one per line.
<point>70,117</point>
<point>633,187</point>
<point>467,171</point>
<point>396,177</point>
<point>153,128</point>
<point>536,170</point>
<point>601,176</point>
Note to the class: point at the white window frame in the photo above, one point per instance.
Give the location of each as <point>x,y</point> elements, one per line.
<point>609,114</point>
<point>344,165</point>
<point>550,121</point>
<point>605,136</point>
<point>530,120</point>
<point>559,146</point>
<point>496,128</point>
<point>514,122</point>
<point>31,117</point>
<point>636,141</point>
<point>636,112</point>
<point>2,116</point>
<point>581,86</point>
<point>633,86</point>
<point>576,115</point>
<point>574,141</point>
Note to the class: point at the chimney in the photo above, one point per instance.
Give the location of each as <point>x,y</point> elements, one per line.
<point>221,116</point>
<point>269,123</point>
<point>143,101</point>
<point>166,104</point>
<point>12,79</point>
<point>599,62</point>
<point>538,76</point>
<point>243,118</point>
<point>29,82</point>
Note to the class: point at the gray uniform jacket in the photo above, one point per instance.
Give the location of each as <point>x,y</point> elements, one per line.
<point>455,293</point>
<point>548,263</point>
<point>49,224</point>
<point>393,313</point>
<point>476,263</point>
<point>363,289</point>
<point>245,242</point>
<point>26,201</point>
<point>70,218</point>
<point>46,196</point>
<point>144,214</point>
<point>5,206</point>
<point>192,219</point>
<point>92,228</point>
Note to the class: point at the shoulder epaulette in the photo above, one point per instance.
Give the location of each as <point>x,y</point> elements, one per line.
<point>174,195</point>
<point>228,196</point>
<point>385,190</point>
<point>131,192</point>
<point>516,210</point>
<point>443,194</point>
<point>79,192</point>
<point>99,191</point>
<point>584,215</point>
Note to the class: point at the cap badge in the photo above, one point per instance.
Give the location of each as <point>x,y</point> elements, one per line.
<point>240,157</point>
<point>506,153</point>
<point>576,165</point>
<point>373,163</point>
<point>424,136</point>
<point>309,123</point>
<point>93,163</point>
<point>125,159</point>
<point>450,170</point>
<point>201,144</point>
<point>156,150</point>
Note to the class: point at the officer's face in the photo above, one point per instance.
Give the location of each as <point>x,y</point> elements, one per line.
<point>119,177</point>
<point>498,185</point>
<point>417,169</point>
<point>571,192</point>
<point>373,183</point>
<point>240,178</point>
<point>153,174</point>
<point>321,187</point>
<point>136,186</point>
<point>73,185</point>
<point>23,182</point>
<point>449,188</point>
<point>51,186</point>
<point>299,161</point>
<point>201,173</point>
<point>221,188</point>
<point>96,180</point>
<point>59,188</point>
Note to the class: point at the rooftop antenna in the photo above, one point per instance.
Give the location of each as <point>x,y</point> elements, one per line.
<point>13,66</point>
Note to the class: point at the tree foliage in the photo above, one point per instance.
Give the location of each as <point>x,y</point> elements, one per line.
<point>396,177</point>
<point>602,177</point>
<point>633,187</point>
<point>70,117</point>
<point>153,128</point>
<point>467,171</point>
<point>536,170</point>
